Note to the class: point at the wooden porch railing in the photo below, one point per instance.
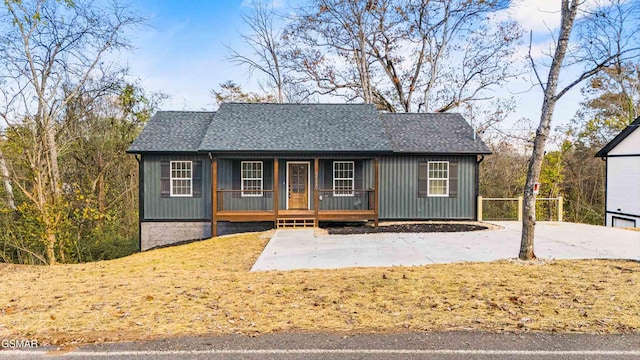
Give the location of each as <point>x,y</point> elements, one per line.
<point>245,200</point>
<point>345,200</point>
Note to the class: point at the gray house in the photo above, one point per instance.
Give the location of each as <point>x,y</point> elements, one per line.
<point>256,166</point>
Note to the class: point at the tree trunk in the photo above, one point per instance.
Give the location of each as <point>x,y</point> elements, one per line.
<point>533,173</point>
<point>50,238</point>
<point>568,13</point>
<point>6,181</point>
<point>101,193</point>
<point>53,157</point>
<point>62,256</point>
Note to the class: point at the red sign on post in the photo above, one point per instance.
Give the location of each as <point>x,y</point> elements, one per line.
<point>536,188</point>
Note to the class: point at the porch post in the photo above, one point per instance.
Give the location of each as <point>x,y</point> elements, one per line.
<point>214,197</point>
<point>276,186</point>
<point>316,199</point>
<point>375,190</point>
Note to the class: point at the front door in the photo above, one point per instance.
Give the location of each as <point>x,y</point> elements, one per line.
<point>299,186</point>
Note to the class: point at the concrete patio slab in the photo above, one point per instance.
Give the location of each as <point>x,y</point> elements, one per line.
<point>300,249</point>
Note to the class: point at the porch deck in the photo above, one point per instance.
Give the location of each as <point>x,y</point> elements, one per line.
<point>323,215</point>
<point>354,204</point>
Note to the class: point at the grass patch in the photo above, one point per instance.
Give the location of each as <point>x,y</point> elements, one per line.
<point>206,288</point>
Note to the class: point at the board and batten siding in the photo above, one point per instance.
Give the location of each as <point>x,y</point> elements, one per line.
<point>399,190</point>
<point>175,208</point>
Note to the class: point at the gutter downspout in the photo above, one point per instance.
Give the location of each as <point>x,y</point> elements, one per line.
<point>477,187</point>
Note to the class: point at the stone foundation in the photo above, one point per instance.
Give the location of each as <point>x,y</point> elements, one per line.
<point>156,234</point>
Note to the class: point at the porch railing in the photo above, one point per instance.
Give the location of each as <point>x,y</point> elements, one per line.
<point>247,200</point>
<point>341,200</point>
<point>345,200</point>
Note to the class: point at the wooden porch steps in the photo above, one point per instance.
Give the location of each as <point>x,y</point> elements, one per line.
<point>284,223</point>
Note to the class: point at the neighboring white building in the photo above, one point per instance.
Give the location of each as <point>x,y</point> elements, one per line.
<point>622,197</point>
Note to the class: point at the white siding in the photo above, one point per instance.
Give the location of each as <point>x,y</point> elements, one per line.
<point>629,146</point>
<point>623,185</point>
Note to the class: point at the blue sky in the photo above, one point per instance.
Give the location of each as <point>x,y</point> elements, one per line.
<point>182,53</point>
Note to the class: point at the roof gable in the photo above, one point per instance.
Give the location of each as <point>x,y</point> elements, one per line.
<point>296,127</point>
<point>619,138</point>
<point>432,133</point>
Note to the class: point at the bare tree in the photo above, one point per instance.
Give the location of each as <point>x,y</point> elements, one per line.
<point>438,55</point>
<point>605,35</point>
<point>54,52</point>
<point>445,50</point>
<point>264,42</point>
<point>330,48</point>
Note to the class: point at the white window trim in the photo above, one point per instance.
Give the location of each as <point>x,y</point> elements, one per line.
<point>353,181</point>
<point>171,178</point>
<point>429,194</point>
<point>254,192</point>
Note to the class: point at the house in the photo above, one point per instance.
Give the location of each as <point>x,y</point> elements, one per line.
<point>250,167</point>
<point>622,189</point>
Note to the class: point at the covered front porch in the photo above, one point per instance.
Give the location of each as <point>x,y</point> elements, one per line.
<point>293,191</point>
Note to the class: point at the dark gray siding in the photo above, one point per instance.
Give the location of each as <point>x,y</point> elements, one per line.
<point>175,208</point>
<point>399,190</point>
<point>398,193</point>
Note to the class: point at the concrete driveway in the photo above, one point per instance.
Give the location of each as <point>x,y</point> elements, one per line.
<point>300,249</point>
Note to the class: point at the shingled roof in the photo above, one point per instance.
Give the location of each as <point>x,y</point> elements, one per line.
<point>296,127</point>
<point>432,133</point>
<point>238,127</point>
<point>173,131</point>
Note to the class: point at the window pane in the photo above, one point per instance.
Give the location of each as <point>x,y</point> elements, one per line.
<point>438,187</point>
<point>181,178</point>
<point>251,178</point>
<point>438,177</point>
<point>343,173</point>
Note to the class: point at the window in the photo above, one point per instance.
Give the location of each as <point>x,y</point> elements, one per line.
<point>181,178</point>
<point>343,178</point>
<point>438,175</point>
<point>252,178</point>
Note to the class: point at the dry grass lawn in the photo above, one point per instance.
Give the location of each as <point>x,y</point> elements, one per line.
<point>206,288</point>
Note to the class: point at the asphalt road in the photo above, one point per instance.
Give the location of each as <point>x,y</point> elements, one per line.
<point>294,346</point>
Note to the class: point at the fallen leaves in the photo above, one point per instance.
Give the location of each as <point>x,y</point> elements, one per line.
<point>206,288</point>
